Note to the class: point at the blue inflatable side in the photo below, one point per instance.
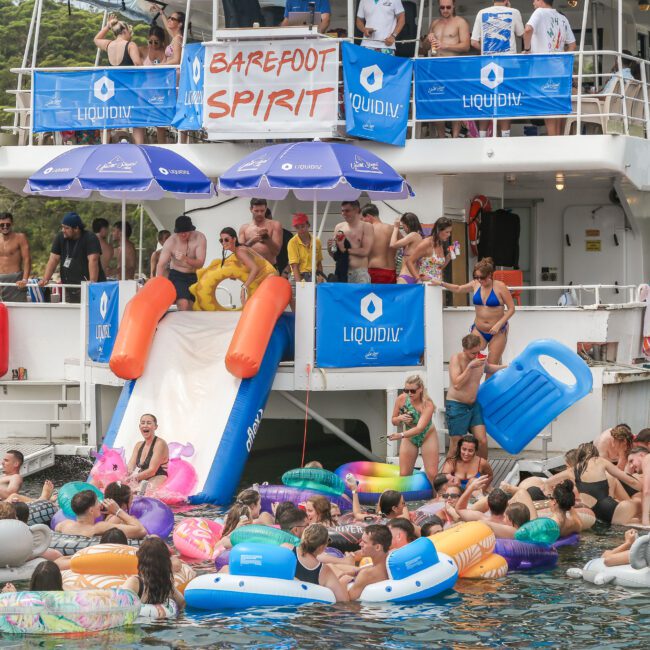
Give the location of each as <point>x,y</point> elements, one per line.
<point>519,401</point>
<point>118,413</point>
<point>245,418</point>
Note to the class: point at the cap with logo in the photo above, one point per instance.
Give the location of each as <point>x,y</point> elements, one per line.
<point>184,224</point>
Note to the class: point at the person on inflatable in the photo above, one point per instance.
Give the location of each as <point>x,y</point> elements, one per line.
<point>150,457</point>
<point>639,463</point>
<point>430,257</point>
<point>413,414</point>
<point>258,268</point>
<point>494,308</point>
<point>563,509</point>
<point>308,566</point>
<point>46,577</point>
<point>375,544</point>
<point>621,554</point>
<point>319,510</point>
<point>154,583</point>
<point>11,481</point>
<point>247,509</point>
<point>466,463</point>
<point>403,532</point>
<point>88,509</point>
<point>390,505</point>
<point>614,444</point>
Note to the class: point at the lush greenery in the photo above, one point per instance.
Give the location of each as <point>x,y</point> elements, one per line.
<point>64,40</point>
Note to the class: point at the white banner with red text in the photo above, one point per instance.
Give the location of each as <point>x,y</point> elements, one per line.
<point>286,88</point>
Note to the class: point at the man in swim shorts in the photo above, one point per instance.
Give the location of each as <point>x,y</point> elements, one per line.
<point>360,236</point>
<point>381,262</point>
<point>375,544</point>
<point>12,481</point>
<point>184,252</point>
<point>464,413</point>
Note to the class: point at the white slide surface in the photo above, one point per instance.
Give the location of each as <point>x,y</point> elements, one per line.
<point>186,386</point>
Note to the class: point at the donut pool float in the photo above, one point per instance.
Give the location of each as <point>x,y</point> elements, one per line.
<point>467,544</point>
<point>41,512</point>
<point>68,491</point>
<point>314,478</point>
<point>375,478</point>
<point>67,612</point>
<point>279,493</point>
<point>259,534</point>
<point>107,566</point>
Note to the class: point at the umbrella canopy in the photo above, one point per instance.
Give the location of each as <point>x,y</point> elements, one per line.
<point>120,171</point>
<point>314,171</point>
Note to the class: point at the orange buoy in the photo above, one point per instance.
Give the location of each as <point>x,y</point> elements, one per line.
<point>4,339</point>
<point>138,327</point>
<point>255,327</point>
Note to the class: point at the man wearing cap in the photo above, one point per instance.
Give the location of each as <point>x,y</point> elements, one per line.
<point>299,250</point>
<point>184,251</point>
<point>78,251</point>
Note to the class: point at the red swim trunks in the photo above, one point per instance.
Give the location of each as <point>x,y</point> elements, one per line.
<point>382,276</point>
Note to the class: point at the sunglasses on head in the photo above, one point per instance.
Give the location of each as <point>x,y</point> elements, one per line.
<point>411,391</point>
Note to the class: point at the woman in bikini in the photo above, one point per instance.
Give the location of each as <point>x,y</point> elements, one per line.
<point>494,308</point>
<point>430,256</point>
<point>466,464</point>
<point>413,413</point>
<point>406,244</point>
<point>121,51</point>
<point>150,457</point>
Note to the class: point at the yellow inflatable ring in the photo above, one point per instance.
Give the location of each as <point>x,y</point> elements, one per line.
<point>209,278</point>
<point>492,566</point>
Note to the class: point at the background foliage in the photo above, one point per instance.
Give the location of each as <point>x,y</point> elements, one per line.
<point>65,40</point>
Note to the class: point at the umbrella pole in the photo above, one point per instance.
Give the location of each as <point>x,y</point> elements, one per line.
<point>313,245</point>
<point>123,242</point>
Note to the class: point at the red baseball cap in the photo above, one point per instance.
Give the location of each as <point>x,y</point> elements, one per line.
<point>300,219</point>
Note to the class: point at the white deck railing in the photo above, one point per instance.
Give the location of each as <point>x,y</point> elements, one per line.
<point>624,111</point>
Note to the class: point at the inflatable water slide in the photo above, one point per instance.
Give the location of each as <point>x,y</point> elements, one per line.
<point>206,376</point>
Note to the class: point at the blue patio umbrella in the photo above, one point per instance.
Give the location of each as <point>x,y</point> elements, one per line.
<point>120,171</point>
<point>314,171</point>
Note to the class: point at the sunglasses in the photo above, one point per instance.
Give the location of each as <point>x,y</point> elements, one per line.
<point>5,226</point>
<point>225,240</point>
<point>411,391</point>
<point>446,6</point>
<point>154,42</point>
<point>480,277</point>
<point>450,496</point>
<point>176,20</point>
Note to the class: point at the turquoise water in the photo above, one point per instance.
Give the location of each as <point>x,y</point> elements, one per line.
<point>542,610</point>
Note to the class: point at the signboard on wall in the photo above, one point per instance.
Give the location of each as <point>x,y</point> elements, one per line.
<point>103,316</point>
<point>360,325</point>
<point>282,87</point>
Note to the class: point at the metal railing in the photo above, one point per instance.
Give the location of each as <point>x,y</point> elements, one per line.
<point>35,295</point>
<point>624,109</point>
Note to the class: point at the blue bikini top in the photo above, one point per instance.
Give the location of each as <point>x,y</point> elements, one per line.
<point>492,300</point>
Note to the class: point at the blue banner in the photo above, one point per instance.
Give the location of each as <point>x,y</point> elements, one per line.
<point>369,325</point>
<point>189,105</point>
<point>104,98</point>
<point>483,87</point>
<point>377,94</point>
<point>103,313</point>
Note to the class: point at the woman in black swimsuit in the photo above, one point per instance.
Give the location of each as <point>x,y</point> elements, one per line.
<point>150,457</point>
<point>592,479</point>
<point>121,51</point>
<point>309,568</point>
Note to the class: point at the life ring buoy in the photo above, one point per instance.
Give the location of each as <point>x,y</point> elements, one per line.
<point>478,205</point>
<point>209,278</point>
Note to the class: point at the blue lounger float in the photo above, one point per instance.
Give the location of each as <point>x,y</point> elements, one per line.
<point>519,401</point>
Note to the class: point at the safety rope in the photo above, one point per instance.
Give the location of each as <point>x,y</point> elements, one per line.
<point>304,438</point>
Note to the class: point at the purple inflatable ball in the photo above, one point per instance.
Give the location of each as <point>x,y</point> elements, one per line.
<point>154,515</point>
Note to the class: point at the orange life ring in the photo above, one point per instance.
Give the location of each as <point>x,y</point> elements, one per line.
<point>478,205</point>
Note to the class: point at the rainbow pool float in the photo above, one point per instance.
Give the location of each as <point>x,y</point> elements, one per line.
<point>375,478</point>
